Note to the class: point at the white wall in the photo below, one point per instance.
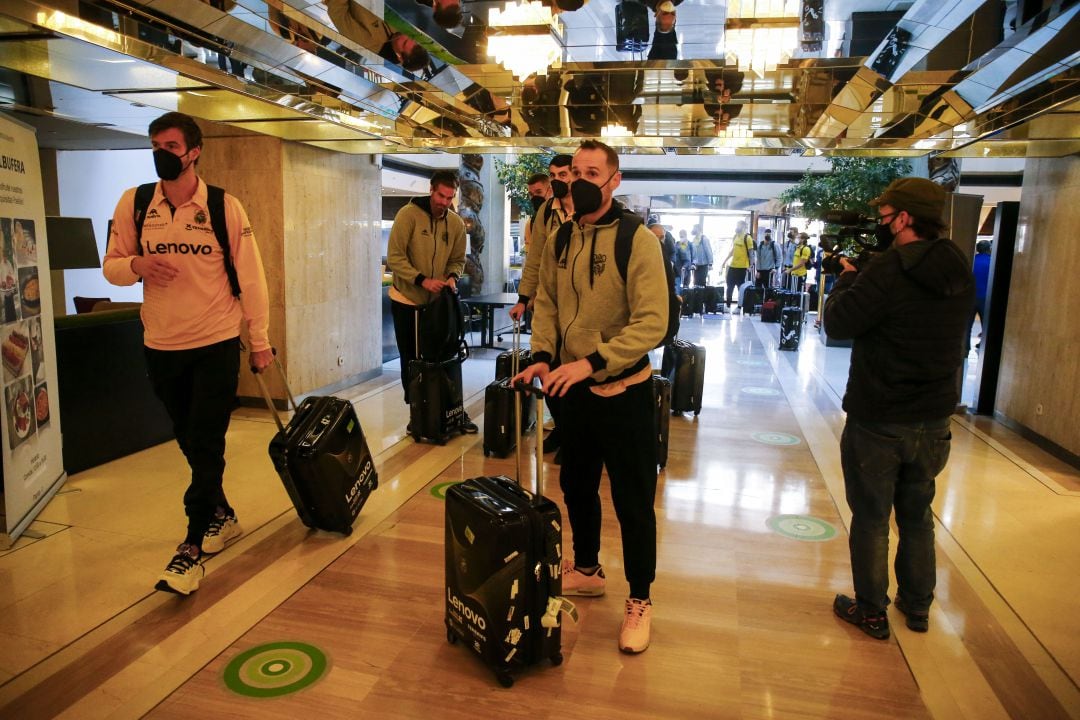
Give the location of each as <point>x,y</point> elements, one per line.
<point>91,183</point>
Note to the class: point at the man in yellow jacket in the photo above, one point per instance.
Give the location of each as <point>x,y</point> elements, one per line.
<point>192,315</point>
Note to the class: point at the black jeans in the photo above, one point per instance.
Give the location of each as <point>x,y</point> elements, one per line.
<point>405,320</point>
<point>701,275</point>
<point>198,389</point>
<point>734,279</point>
<point>617,432</point>
<point>889,465</point>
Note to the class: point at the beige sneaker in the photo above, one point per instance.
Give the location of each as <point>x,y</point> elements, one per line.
<point>222,530</point>
<point>634,634</point>
<point>183,573</point>
<point>575,582</point>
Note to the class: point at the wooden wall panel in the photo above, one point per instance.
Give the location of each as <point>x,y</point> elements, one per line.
<point>1040,364</point>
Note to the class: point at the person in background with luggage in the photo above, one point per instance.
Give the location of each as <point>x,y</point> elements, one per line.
<point>703,258</point>
<point>684,254</point>
<point>554,212</point>
<point>906,311</point>
<point>665,42</point>
<point>788,250</point>
<point>667,240</point>
<point>603,329</point>
<point>426,253</point>
<point>981,269</point>
<point>800,262</point>
<point>768,260</point>
<point>739,260</point>
<point>192,320</point>
<point>539,188</point>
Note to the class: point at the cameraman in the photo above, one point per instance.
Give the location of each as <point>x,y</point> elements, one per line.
<point>906,310</point>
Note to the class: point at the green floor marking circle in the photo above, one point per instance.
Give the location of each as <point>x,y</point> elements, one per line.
<point>775,438</point>
<point>275,669</point>
<point>801,527</point>
<point>439,490</point>
<point>763,391</point>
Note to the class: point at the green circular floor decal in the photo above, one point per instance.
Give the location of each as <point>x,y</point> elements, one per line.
<point>763,391</point>
<point>775,438</point>
<point>275,669</point>
<point>439,490</point>
<point>801,527</point>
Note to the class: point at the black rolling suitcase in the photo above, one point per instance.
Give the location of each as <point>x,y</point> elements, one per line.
<point>686,370</point>
<point>436,405</point>
<point>751,299</point>
<point>504,363</point>
<point>712,295</point>
<point>662,393</point>
<point>631,26</point>
<point>323,460</point>
<point>499,406</point>
<point>503,570</point>
<point>790,328</point>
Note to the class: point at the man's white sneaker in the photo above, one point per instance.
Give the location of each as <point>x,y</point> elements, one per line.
<point>183,573</point>
<point>634,634</point>
<point>575,582</point>
<point>222,529</point>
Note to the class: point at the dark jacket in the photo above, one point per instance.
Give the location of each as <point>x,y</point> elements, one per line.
<point>907,311</point>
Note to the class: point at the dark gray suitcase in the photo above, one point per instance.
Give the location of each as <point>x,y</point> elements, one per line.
<point>501,405</point>
<point>662,398</point>
<point>685,365</point>
<point>503,570</point>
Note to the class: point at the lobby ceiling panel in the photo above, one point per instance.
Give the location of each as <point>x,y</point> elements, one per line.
<point>947,77</point>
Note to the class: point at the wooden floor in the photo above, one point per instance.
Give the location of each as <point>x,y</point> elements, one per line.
<point>742,628</point>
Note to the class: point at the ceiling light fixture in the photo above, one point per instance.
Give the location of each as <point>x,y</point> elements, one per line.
<point>761,34</point>
<point>525,38</point>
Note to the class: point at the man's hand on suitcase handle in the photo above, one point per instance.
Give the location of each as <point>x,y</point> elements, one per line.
<point>259,360</point>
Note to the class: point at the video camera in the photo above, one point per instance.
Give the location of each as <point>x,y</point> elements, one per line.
<point>855,230</point>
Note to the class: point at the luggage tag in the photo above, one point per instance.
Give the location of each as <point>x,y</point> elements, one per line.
<point>550,618</point>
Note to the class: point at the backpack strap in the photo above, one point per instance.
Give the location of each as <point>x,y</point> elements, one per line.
<point>624,241</point>
<point>215,201</point>
<point>562,239</point>
<point>144,194</point>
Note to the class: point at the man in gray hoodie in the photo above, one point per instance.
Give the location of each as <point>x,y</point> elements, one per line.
<point>906,311</point>
<point>426,253</point>
<point>601,324</point>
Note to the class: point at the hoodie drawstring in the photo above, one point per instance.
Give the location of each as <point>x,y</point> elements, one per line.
<point>592,255</point>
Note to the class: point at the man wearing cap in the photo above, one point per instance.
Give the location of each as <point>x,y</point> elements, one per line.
<point>906,311</point>
<point>665,43</point>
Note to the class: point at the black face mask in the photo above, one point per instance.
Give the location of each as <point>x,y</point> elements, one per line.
<point>883,235</point>
<point>536,202</point>
<point>168,165</point>
<point>587,197</point>
<point>791,236</point>
<point>559,189</point>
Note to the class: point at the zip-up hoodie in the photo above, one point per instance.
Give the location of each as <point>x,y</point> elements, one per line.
<point>422,246</point>
<point>907,311</point>
<point>550,217</point>
<point>584,309</point>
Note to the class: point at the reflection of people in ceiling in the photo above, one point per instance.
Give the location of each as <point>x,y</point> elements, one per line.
<point>665,43</point>
<point>722,115</point>
<point>724,83</point>
<point>362,27</point>
<point>492,106</point>
<point>596,99</point>
<point>445,13</point>
<point>540,104</point>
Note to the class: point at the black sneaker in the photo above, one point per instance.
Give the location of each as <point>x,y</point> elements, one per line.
<point>183,573</point>
<point>876,625</point>
<point>469,427</point>
<point>552,441</point>
<point>915,621</point>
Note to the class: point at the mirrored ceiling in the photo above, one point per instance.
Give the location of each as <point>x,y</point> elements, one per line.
<point>768,77</point>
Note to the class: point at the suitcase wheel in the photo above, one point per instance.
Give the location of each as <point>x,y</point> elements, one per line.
<point>556,659</point>
<point>696,413</point>
<point>346,531</point>
<point>505,678</point>
<point>451,637</point>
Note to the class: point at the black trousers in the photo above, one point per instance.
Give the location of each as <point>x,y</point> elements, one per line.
<point>701,275</point>
<point>405,319</point>
<point>735,278</point>
<point>617,432</point>
<point>198,389</point>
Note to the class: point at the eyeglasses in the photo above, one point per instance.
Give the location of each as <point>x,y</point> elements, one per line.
<point>885,219</point>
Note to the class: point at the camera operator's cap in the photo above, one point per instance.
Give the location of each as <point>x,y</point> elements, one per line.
<point>920,197</point>
<point>666,6</point>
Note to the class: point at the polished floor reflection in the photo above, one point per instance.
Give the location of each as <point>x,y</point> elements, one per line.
<point>743,626</point>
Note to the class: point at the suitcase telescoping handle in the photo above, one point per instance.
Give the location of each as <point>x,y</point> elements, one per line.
<point>515,368</point>
<point>539,394</point>
<point>266,391</point>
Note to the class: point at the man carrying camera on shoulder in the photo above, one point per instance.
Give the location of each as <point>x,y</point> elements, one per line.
<point>906,310</point>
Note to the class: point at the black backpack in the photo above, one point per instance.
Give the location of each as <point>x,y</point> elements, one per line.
<point>215,202</point>
<point>441,329</point>
<point>624,243</point>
